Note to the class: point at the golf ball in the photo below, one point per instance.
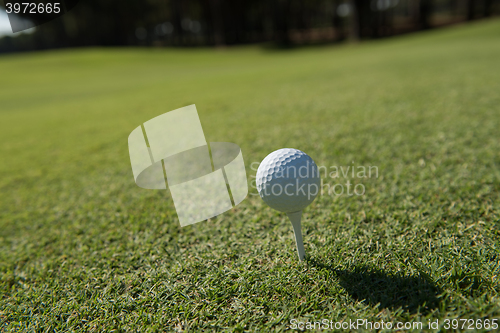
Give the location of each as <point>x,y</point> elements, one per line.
<point>288,180</point>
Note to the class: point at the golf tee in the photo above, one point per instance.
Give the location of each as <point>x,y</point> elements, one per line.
<point>295,218</point>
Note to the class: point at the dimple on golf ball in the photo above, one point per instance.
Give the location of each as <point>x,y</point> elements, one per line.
<point>288,180</point>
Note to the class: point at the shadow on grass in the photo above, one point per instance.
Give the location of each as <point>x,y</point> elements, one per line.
<point>378,288</point>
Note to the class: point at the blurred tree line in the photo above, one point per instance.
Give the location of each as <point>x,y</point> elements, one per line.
<point>229,22</point>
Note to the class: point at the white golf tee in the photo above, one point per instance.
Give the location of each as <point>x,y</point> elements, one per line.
<point>295,218</point>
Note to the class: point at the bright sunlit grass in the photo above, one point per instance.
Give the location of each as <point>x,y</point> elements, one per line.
<point>82,247</point>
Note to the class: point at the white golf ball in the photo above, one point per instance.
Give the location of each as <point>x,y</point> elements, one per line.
<point>288,180</point>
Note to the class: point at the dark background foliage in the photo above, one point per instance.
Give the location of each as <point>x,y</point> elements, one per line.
<point>224,22</point>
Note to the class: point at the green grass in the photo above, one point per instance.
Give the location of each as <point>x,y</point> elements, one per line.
<point>83,248</point>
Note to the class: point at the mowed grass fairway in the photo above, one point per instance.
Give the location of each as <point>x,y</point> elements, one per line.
<point>83,248</point>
